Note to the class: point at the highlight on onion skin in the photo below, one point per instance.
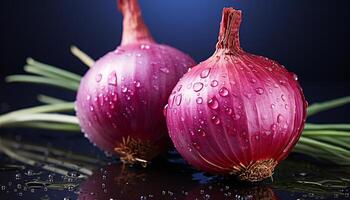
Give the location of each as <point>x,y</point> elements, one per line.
<point>120,99</point>
<point>236,113</point>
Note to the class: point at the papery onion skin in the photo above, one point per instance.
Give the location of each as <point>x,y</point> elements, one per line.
<point>120,99</point>
<point>236,113</point>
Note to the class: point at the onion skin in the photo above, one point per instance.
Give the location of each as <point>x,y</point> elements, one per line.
<point>236,113</point>
<point>120,99</point>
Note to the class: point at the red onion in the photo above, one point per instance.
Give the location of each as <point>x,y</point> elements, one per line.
<point>236,113</point>
<point>120,99</point>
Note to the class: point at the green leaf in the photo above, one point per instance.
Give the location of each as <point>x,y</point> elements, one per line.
<point>327,105</point>
<point>42,80</point>
<point>54,70</point>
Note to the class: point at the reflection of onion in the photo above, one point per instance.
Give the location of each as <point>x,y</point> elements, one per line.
<point>117,182</point>
<point>220,191</point>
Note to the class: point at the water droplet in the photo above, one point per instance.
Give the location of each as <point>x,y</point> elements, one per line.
<point>252,80</point>
<point>213,103</point>
<point>91,108</point>
<point>286,106</point>
<point>282,82</point>
<point>273,127</point>
<point>124,89</point>
<point>88,97</point>
<point>197,86</point>
<point>164,70</point>
<point>273,106</point>
<point>112,78</point>
<point>270,90</point>
<point>216,120</point>
<point>205,73</point>
<point>202,132</point>
<point>138,55</point>
<point>236,116</point>
<point>137,84</point>
<point>98,77</point>
<point>214,83</point>
<point>295,77</point>
<point>229,111</point>
<point>178,99</point>
<point>279,118</point>
<point>283,97</point>
<point>199,100</point>
<point>224,92</point>
<point>248,95</point>
<point>145,46</point>
<point>259,91</point>
<point>182,119</point>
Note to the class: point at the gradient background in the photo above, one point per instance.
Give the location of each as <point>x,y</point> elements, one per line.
<point>309,37</point>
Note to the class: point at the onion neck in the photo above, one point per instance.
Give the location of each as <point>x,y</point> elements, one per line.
<point>134,28</point>
<point>228,40</point>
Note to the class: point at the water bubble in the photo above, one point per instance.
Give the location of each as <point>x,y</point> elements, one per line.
<point>273,127</point>
<point>236,116</point>
<point>137,84</point>
<point>164,70</point>
<point>18,176</point>
<point>124,89</point>
<point>214,83</point>
<point>202,132</point>
<point>138,55</point>
<point>279,118</point>
<point>165,110</point>
<point>112,78</point>
<point>98,77</point>
<point>224,92</point>
<point>145,46</point>
<point>229,111</point>
<point>178,99</point>
<point>259,91</point>
<point>199,100</point>
<point>216,120</point>
<point>282,82</point>
<point>197,86</point>
<point>213,103</point>
<point>252,80</point>
<point>295,77</point>
<point>273,106</point>
<point>286,106</point>
<point>88,97</point>
<point>205,73</point>
<point>248,95</point>
<point>283,97</point>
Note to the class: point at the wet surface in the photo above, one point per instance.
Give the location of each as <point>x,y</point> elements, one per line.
<point>168,177</point>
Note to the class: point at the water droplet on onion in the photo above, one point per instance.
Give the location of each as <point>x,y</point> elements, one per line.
<point>214,83</point>
<point>178,99</point>
<point>224,92</point>
<point>197,86</point>
<point>205,73</point>
<point>199,100</point>
<point>213,103</point>
<point>216,120</point>
<point>98,77</point>
<point>259,91</point>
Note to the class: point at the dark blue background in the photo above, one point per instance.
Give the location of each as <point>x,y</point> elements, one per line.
<point>308,37</point>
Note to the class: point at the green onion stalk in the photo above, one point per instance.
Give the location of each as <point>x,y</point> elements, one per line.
<point>330,142</point>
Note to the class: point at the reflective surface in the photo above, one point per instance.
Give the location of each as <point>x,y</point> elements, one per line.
<point>168,177</point>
